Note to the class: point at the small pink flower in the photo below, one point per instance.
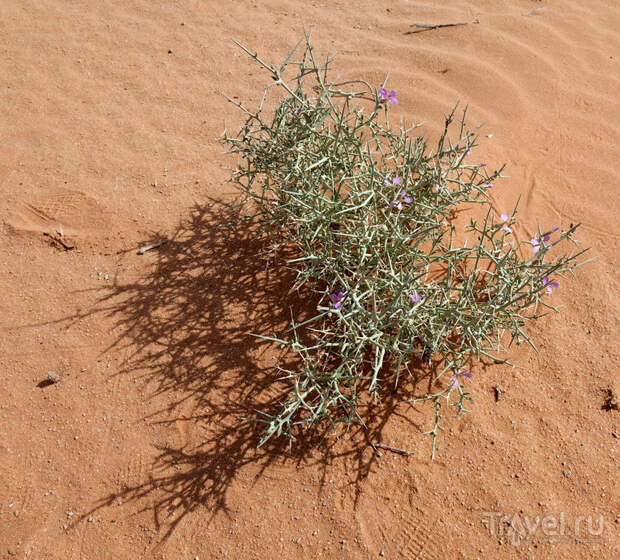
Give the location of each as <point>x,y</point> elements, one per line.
<point>536,244</point>
<point>549,285</point>
<point>395,181</point>
<point>402,196</point>
<point>337,299</point>
<point>455,379</point>
<point>415,297</point>
<point>391,97</point>
<point>505,217</point>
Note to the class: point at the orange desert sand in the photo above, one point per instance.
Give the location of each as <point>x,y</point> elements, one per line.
<point>134,447</point>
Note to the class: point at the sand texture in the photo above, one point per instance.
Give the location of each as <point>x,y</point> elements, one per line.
<point>135,447</point>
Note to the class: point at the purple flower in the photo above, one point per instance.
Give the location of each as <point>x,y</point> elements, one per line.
<point>436,188</point>
<point>337,299</point>
<point>549,285</point>
<point>395,181</point>
<point>415,297</point>
<point>482,164</point>
<point>391,97</point>
<point>468,152</point>
<point>536,244</point>
<point>488,186</point>
<point>505,217</point>
<point>455,379</point>
<point>402,195</point>
<point>298,111</point>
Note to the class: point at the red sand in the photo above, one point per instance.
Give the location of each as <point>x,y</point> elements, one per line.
<point>110,113</point>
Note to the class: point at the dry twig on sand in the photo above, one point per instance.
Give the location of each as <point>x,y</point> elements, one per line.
<point>58,241</point>
<point>426,27</point>
<point>534,11</point>
<point>377,446</point>
<point>146,248</point>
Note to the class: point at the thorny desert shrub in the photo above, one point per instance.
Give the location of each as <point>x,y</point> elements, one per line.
<point>372,215</point>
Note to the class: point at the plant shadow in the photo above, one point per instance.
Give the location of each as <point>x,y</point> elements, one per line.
<point>186,331</point>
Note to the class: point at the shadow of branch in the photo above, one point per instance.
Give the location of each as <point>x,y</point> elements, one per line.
<point>186,331</point>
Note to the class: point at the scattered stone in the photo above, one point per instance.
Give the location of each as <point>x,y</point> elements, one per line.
<point>611,400</point>
<point>51,378</point>
<point>497,393</point>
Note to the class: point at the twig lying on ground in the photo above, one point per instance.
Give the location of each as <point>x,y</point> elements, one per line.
<point>392,449</point>
<point>374,447</point>
<point>425,27</point>
<point>534,11</point>
<point>611,401</point>
<point>497,393</point>
<point>56,239</point>
<point>146,248</point>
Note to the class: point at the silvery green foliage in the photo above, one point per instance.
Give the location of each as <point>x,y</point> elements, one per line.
<point>375,220</point>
